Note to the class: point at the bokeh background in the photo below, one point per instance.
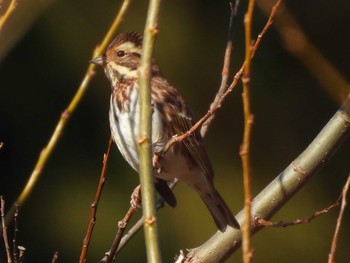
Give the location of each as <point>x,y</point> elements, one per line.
<point>44,52</point>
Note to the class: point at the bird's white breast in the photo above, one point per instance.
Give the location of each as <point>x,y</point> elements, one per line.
<point>125,129</point>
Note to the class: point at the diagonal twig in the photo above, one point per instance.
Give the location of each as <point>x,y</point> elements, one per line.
<point>8,12</point>
<point>258,221</point>
<point>94,205</point>
<point>339,220</point>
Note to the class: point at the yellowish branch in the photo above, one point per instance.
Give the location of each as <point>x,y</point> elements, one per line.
<point>245,148</point>
<point>8,12</point>
<point>145,135</point>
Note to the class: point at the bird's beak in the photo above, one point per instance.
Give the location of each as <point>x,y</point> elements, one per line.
<point>98,60</point>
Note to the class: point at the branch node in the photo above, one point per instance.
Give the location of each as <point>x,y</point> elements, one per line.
<point>142,139</point>
<point>298,169</point>
<point>150,220</point>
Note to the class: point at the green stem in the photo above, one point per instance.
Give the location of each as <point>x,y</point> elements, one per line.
<point>145,132</point>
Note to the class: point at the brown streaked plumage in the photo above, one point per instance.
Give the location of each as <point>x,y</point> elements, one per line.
<point>186,160</point>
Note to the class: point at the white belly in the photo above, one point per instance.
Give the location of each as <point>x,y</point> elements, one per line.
<point>125,131</point>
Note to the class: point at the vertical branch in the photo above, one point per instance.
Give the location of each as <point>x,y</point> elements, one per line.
<point>55,257</point>
<point>245,149</point>
<point>94,205</point>
<point>145,135</point>
<point>16,230</point>
<point>4,233</point>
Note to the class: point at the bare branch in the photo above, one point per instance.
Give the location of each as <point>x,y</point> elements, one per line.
<point>248,124</point>
<point>122,224</point>
<point>262,222</point>
<point>4,233</point>
<point>55,257</point>
<point>145,131</point>
<point>8,12</point>
<point>16,230</point>
<point>94,205</point>
<point>331,255</point>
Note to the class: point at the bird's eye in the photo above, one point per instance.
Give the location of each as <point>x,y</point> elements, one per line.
<point>121,53</point>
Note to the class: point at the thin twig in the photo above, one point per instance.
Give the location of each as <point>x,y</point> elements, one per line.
<point>4,233</point>
<point>94,205</point>
<point>226,67</point>
<point>120,243</point>
<point>55,257</point>
<point>331,256</point>
<point>215,107</point>
<point>145,135</point>
<point>122,224</point>
<point>65,116</point>
<point>262,222</point>
<point>16,230</point>
<point>8,12</point>
<point>245,148</point>
<point>21,253</point>
<point>110,255</point>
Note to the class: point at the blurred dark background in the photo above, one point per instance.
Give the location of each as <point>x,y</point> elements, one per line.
<point>44,52</point>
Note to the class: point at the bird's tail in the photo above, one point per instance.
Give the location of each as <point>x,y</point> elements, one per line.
<point>219,210</point>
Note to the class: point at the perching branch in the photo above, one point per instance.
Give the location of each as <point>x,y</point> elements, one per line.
<point>145,135</point>
<point>221,245</point>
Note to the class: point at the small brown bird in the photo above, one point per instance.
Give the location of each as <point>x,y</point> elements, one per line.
<point>186,160</point>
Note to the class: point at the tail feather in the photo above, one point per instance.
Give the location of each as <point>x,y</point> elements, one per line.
<point>219,210</point>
